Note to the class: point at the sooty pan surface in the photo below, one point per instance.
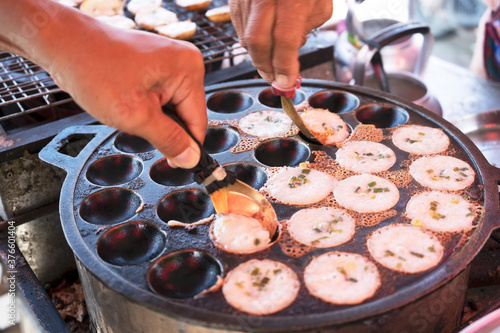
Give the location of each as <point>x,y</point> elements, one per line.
<point>115,209</point>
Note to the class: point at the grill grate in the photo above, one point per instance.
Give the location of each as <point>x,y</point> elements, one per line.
<point>26,88</point>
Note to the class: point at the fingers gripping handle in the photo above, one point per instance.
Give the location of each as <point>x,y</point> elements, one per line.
<point>52,152</point>
<point>207,172</point>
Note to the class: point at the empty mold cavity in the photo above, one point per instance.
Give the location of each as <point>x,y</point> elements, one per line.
<point>268,98</point>
<point>382,115</point>
<point>132,144</point>
<point>114,170</point>
<point>282,152</point>
<point>334,100</point>
<point>229,102</point>
<point>185,206</point>
<point>110,206</point>
<point>162,173</point>
<point>130,243</point>
<point>248,173</point>
<point>183,274</point>
<point>219,139</point>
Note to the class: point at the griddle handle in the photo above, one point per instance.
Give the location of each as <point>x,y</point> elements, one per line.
<point>53,154</point>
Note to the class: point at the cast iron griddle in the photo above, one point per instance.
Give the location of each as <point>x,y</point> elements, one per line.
<point>116,173</point>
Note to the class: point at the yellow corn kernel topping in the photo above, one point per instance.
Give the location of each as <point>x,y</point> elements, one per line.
<point>416,222</point>
<point>454,200</point>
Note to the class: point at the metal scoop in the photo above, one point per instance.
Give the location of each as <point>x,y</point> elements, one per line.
<point>228,194</point>
<point>287,96</point>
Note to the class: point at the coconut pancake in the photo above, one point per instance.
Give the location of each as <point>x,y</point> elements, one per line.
<point>405,248</point>
<point>240,234</point>
<point>178,30</point>
<point>266,124</point>
<point>321,227</point>
<point>299,186</point>
<point>442,173</point>
<point>151,19</point>
<point>326,126</point>
<point>439,211</point>
<point>102,7</point>
<point>420,140</point>
<point>366,193</point>
<point>365,156</point>
<point>118,21</point>
<point>261,287</point>
<point>219,14</point>
<point>134,6</point>
<point>193,4</point>
<point>341,278</point>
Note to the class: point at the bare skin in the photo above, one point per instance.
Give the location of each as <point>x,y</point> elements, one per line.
<point>122,78</point>
<point>273,31</point>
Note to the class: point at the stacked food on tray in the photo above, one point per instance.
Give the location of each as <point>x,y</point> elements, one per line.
<point>150,15</point>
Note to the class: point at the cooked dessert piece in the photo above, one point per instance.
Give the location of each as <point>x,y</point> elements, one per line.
<point>118,21</point>
<point>366,193</point>
<point>261,287</point>
<point>219,14</point>
<point>442,173</point>
<point>365,156</point>
<point>341,278</point>
<point>178,30</point>
<point>420,140</point>
<point>266,124</point>
<point>405,248</point>
<point>151,19</point>
<point>70,3</point>
<point>321,227</point>
<point>193,4</point>
<point>240,234</point>
<point>440,211</point>
<point>299,186</point>
<point>102,7</point>
<point>134,6</point>
<point>326,126</point>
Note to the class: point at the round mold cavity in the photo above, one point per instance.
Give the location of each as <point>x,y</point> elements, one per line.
<point>183,274</point>
<point>268,98</point>
<point>130,243</point>
<point>185,206</point>
<point>162,173</point>
<point>110,206</point>
<point>382,115</point>
<point>282,152</point>
<point>114,170</point>
<point>334,100</point>
<point>219,139</point>
<point>248,173</point>
<point>132,144</point>
<point>229,102</point>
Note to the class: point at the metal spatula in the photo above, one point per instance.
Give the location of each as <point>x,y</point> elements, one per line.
<point>228,194</point>
<point>287,96</point>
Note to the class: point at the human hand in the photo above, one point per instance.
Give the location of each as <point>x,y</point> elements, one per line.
<point>273,31</point>
<point>122,78</point>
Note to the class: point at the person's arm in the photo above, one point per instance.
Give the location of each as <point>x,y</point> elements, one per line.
<point>273,31</point>
<point>122,78</point>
